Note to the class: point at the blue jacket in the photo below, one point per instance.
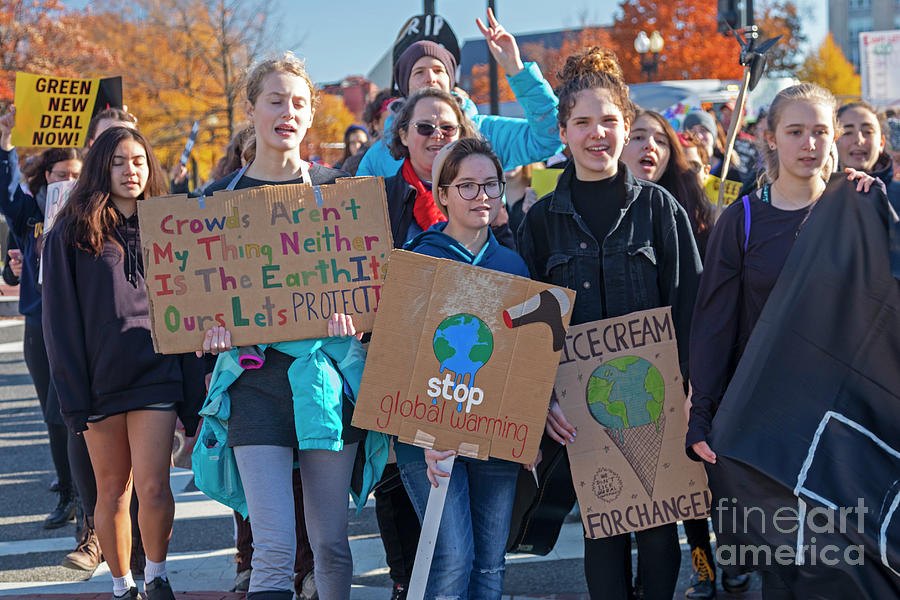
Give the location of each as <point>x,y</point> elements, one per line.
<point>323,370</point>
<point>515,141</point>
<point>435,242</point>
<point>26,222</point>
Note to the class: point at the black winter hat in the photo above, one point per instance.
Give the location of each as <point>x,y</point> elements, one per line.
<point>403,66</point>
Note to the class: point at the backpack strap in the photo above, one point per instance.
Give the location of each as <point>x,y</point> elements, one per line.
<point>746,201</point>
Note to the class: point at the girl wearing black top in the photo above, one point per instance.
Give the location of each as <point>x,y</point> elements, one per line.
<point>112,385</point>
<point>744,258</point>
<point>624,245</point>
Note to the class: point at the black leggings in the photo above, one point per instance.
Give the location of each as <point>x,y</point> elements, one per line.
<point>83,473</point>
<point>697,532</point>
<point>607,564</point>
<point>398,524</point>
<point>39,369</point>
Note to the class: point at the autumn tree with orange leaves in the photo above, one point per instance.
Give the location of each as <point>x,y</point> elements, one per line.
<point>694,49</point>
<point>325,137</point>
<point>43,37</point>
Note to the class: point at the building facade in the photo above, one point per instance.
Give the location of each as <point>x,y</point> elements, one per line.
<point>848,18</point>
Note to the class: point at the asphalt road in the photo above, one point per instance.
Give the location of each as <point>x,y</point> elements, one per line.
<point>29,553</point>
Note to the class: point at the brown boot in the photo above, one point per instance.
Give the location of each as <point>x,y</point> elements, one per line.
<point>86,556</point>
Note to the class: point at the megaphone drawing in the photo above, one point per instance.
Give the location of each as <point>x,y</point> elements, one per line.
<point>549,307</point>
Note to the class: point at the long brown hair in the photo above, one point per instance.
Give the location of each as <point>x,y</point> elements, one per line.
<point>90,216</point>
<point>680,181</point>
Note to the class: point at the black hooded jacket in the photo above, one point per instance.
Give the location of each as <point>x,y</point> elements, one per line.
<point>97,324</point>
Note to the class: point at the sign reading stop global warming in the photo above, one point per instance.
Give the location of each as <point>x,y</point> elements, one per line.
<point>620,385</point>
<point>462,358</point>
<point>270,264</point>
<point>56,111</point>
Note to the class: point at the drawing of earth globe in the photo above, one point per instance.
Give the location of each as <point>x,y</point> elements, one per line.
<point>463,344</point>
<point>626,392</point>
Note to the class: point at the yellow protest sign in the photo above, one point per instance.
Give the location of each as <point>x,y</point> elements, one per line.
<point>543,181</point>
<point>732,189</point>
<point>56,111</point>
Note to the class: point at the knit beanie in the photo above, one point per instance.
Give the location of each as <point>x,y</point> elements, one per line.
<point>700,117</point>
<point>404,65</point>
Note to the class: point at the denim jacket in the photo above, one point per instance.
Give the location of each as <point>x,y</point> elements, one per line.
<point>649,258</point>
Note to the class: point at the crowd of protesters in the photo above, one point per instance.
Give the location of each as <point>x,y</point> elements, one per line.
<point>629,226</point>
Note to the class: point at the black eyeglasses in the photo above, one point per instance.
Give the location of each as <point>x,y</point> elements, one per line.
<point>470,190</point>
<point>426,129</point>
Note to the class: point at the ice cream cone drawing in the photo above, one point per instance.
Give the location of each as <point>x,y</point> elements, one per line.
<point>625,395</point>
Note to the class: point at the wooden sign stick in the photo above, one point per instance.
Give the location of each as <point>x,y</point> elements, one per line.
<point>430,526</point>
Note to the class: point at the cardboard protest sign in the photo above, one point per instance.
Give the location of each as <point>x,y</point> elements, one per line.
<point>463,358</point>
<point>620,385</point>
<point>57,196</point>
<point>56,111</point>
<point>270,264</point>
<point>732,190</point>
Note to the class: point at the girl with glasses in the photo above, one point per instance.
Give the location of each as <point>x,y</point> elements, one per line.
<point>23,206</point>
<point>469,552</point>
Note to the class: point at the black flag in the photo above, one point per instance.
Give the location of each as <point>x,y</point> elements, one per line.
<point>807,481</point>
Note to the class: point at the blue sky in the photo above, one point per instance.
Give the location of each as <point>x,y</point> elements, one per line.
<point>347,37</point>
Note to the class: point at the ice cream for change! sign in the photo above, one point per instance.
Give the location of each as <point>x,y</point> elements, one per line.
<point>620,385</point>
<point>462,358</point>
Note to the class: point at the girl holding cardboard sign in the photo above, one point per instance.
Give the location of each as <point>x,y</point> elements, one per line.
<point>306,382</point>
<point>624,245</point>
<point>112,386</point>
<point>471,542</point>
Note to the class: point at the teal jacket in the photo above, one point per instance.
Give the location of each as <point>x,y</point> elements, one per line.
<point>515,141</point>
<point>323,370</point>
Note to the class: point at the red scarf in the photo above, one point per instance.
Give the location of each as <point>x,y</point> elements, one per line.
<point>425,210</point>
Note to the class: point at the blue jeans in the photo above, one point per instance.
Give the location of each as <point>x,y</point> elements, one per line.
<point>471,544</point>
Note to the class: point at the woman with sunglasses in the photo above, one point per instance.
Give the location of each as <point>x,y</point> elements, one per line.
<point>469,552</point>
<point>429,120</point>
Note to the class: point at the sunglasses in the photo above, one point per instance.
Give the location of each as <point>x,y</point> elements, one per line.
<point>470,190</point>
<point>427,129</point>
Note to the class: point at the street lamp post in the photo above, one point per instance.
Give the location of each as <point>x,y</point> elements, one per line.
<point>649,47</point>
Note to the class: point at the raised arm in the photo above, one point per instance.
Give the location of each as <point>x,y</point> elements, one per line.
<point>536,137</point>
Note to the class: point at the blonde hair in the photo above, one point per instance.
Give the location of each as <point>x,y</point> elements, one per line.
<point>804,92</point>
<point>286,63</point>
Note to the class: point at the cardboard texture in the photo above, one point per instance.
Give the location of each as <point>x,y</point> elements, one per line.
<point>463,358</point>
<point>619,384</point>
<point>56,111</point>
<point>270,264</point>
